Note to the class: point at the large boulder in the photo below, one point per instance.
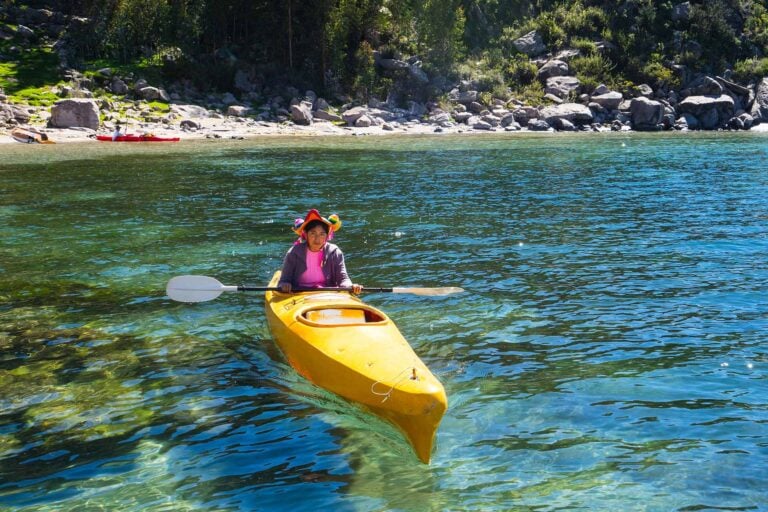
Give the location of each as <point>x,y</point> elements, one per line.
<point>189,125</point>
<point>238,110</point>
<point>760,106</point>
<point>326,115</point>
<point>531,44</point>
<point>301,113</point>
<point>20,114</point>
<point>353,114</point>
<point>609,100</point>
<point>562,86</point>
<point>6,114</point>
<point>711,111</point>
<point>464,97</point>
<point>686,122</point>
<point>190,111</point>
<point>575,113</point>
<point>364,121</point>
<point>525,113</point>
<point>743,121</point>
<point>552,68</point>
<point>118,86</point>
<point>646,114</point>
<point>154,94</point>
<point>704,86</point>
<point>538,125</point>
<point>74,112</point>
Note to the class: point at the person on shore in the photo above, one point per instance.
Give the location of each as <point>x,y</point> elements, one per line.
<point>117,133</point>
<point>314,262</point>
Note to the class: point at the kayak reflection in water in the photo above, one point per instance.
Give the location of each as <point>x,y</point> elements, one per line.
<point>314,262</point>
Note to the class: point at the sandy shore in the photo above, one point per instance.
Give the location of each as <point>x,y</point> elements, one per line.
<point>234,129</point>
<point>240,128</point>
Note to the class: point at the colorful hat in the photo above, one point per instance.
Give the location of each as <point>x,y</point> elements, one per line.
<point>333,222</point>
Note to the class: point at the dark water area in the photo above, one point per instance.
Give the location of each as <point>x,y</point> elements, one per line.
<point>609,352</point>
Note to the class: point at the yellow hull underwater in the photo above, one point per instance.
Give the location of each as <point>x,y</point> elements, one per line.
<point>354,350</point>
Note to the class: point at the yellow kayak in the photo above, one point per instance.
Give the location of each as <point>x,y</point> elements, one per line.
<point>343,345</point>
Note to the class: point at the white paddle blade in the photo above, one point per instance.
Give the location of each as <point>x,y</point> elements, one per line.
<point>194,288</point>
<point>446,290</point>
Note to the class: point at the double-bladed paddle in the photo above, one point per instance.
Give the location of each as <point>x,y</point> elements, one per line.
<point>204,288</point>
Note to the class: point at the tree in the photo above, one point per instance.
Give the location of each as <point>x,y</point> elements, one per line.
<point>440,27</point>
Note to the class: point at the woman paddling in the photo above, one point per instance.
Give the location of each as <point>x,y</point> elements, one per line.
<point>314,262</point>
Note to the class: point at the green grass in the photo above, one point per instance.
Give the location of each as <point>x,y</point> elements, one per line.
<point>29,76</point>
<point>159,106</point>
<point>36,96</point>
<point>144,69</point>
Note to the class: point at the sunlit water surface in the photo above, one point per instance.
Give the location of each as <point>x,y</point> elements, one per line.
<point>610,352</point>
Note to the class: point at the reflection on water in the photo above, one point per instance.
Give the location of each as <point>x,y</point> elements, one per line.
<point>607,355</point>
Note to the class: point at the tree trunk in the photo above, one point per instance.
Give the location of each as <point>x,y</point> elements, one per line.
<point>290,37</point>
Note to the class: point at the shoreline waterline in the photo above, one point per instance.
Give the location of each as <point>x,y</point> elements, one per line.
<point>228,129</point>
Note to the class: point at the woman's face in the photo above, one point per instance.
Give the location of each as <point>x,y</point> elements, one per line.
<point>316,238</point>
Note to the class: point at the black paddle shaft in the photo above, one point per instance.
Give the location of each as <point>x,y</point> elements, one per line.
<point>246,288</point>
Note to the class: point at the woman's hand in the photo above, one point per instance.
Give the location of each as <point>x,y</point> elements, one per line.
<point>357,288</point>
<point>286,287</point>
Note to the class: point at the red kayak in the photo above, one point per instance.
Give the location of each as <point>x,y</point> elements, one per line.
<point>136,138</point>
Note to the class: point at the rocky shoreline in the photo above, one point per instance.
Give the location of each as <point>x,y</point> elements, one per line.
<point>707,103</point>
<point>702,102</point>
<point>81,119</point>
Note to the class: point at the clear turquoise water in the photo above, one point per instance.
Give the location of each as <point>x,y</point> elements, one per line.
<point>609,354</point>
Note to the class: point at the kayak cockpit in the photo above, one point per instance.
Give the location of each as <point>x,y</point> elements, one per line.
<point>336,316</point>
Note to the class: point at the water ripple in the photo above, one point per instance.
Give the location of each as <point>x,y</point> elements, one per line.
<point>608,353</point>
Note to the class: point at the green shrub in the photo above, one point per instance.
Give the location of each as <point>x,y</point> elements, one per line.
<point>750,69</point>
<point>507,38</point>
<point>588,84</point>
<point>690,59</point>
<point>489,80</point>
<point>520,71</point>
<point>494,58</point>
<point>579,20</point>
<point>465,70</point>
<point>530,94</point>
<point>594,68</point>
<point>551,31</point>
<point>756,27</point>
<point>585,46</point>
<point>659,75</point>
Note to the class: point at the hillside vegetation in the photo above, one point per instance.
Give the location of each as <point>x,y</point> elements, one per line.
<point>483,64</point>
<point>332,46</point>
